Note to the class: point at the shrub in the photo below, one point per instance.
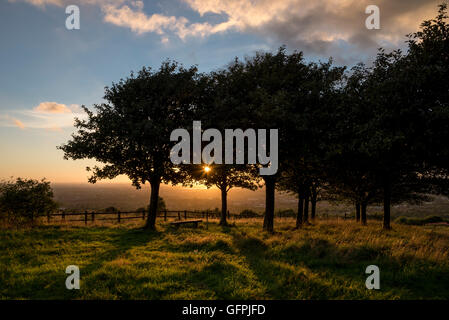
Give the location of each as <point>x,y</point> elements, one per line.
<point>161,206</point>
<point>110,210</point>
<point>23,200</point>
<point>247,213</point>
<point>375,216</point>
<point>419,221</point>
<point>286,213</point>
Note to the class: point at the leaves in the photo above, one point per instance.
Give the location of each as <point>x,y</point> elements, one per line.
<point>26,199</point>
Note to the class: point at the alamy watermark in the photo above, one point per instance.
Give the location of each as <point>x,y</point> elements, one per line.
<point>213,152</point>
<point>72,22</point>
<point>373,280</point>
<point>373,20</point>
<point>73,280</point>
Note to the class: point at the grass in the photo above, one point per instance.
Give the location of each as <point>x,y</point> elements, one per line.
<point>422,221</point>
<point>326,260</point>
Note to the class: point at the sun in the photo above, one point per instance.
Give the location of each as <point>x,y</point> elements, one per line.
<point>207,169</point>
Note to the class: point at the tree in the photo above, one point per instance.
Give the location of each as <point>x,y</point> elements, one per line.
<point>412,103</point>
<point>378,144</point>
<point>224,177</point>
<point>23,200</point>
<point>399,118</point>
<point>130,133</point>
<point>272,82</point>
<point>224,91</point>
<point>427,62</point>
<point>314,99</point>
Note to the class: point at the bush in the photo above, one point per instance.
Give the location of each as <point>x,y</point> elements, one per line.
<point>420,221</point>
<point>287,213</point>
<point>247,213</point>
<point>161,206</point>
<point>110,210</point>
<point>23,200</point>
<point>375,216</point>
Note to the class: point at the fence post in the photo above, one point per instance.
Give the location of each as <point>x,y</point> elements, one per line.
<point>143,214</point>
<point>185,214</point>
<point>207,219</point>
<point>63,215</point>
<point>165,215</point>
<point>118,216</point>
<point>179,215</point>
<point>48,217</point>
<point>93,216</point>
<point>85,217</point>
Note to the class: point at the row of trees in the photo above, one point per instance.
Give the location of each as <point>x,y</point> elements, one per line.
<point>367,135</point>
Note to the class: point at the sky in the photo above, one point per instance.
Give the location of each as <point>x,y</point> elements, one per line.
<point>47,71</point>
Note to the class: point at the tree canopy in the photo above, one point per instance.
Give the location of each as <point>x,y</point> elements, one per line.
<point>130,133</point>
<point>373,134</point>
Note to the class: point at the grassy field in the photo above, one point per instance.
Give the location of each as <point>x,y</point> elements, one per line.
<point>326,260</point>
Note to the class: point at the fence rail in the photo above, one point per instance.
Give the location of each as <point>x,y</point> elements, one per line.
<point>119,216</point>
<point>125,215</point>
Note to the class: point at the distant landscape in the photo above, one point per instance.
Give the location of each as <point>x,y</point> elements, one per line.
<point>124,196</point>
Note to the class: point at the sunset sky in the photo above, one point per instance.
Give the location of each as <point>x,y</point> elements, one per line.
<point>47,72</point>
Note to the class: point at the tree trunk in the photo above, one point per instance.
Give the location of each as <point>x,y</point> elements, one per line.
<point>224,206</point>
<point>152,211</point>
<point>313,205</point>
<point>387,204</point>
<point>300,209</point>
<point>306,207</point>
<point>363,213</point>
<point>357,211</point>
<point>268,222</point>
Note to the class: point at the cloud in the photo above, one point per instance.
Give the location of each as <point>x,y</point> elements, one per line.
<point>19,124</point>
<point>165,40</point>
<point>52,107</point>
<point>61,3</point>
<point>41,3</point>
<point>137,21</point>
<point>320,27</point>
<point>50,116</point>
<point>55,128</point>
<point>323,27</point>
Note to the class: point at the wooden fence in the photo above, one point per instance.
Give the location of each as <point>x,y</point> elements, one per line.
<point>120,216</point>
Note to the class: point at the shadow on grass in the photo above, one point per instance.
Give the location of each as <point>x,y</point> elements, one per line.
<point>311,269</point>
<point>280,280</point>
<point>214,280</point>
<point>407,277</point>
<point>43,253</point>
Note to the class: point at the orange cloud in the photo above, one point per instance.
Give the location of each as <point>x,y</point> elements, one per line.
<point>55,128</point>
<point>19,124</point>
<point>52,107</point>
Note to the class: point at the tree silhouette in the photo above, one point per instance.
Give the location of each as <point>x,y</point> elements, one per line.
<point>130,133</point>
